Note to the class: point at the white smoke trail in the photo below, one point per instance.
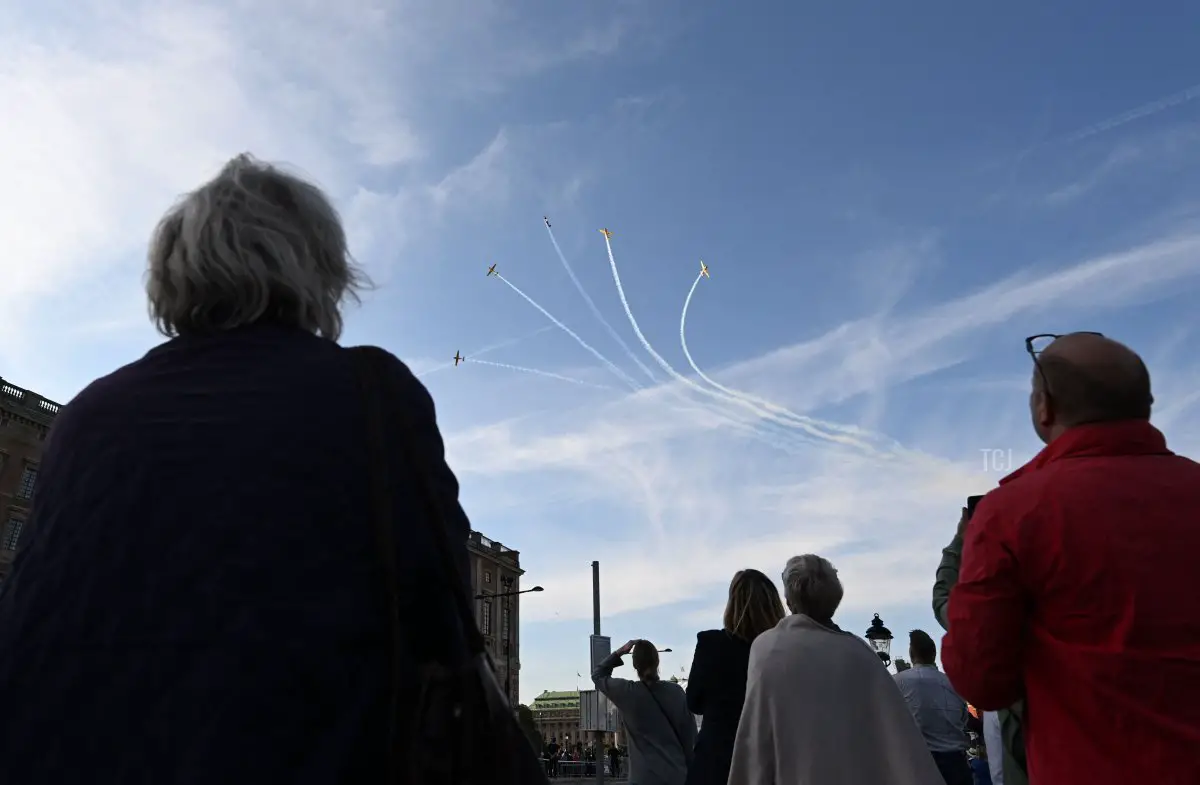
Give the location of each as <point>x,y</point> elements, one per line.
<point>609,363</point>
<point>666,366</point>
<point>1145,110</point>
<point>768,410</point>
<point>596,311</point>
<point>537,372</point>
<point>487,350</point>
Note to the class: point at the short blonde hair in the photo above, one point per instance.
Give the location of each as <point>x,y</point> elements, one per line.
<point>254,244</point>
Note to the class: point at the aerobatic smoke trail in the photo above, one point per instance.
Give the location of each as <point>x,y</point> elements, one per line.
<point>767,409</point>
<point>1145,110</point>
<point>666,366</point>
<point>487,350</point>
<point>536,372</point>
<point>596,311</point>
<point>611,366</point>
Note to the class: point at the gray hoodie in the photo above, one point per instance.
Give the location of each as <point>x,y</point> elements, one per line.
<point>660,739</point>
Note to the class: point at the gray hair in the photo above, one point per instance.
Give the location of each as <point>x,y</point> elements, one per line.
<point>253,244</point>
<point>811,587</point>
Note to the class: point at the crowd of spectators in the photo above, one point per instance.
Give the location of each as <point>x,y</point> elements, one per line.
<point>225,578</point>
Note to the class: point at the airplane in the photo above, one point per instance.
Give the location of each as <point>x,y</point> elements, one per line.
<point>607,234</point>
<point>547,220</point>
<point>492,270</point>
<point>703,268</point>
<point>458,358</point>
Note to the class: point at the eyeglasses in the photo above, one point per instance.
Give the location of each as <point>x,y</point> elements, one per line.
<point>1036,344</point>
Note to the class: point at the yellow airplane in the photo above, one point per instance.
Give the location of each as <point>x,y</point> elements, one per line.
<point>458,358</point>
<point>703,268</point>
<point>492,270</point>
<point>607,234</point>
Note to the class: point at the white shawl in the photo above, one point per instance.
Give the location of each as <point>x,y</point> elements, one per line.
<point>821,709</point>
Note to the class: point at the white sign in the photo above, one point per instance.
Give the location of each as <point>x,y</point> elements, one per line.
<point>601,648</point>
<point>596,713</point>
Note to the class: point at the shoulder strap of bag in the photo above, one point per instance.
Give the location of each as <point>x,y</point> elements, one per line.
<point>667,717</point>
<point>372,384</point>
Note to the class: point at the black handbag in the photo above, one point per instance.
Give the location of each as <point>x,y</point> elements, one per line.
<point>460,729</point>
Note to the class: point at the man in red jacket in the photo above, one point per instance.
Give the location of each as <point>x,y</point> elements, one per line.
<point>1077,590</point>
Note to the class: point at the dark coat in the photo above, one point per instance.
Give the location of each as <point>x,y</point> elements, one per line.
<point>716,690</point>
<point>197,599</point>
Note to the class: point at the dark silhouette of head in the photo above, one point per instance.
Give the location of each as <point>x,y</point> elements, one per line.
<point>754,605</point>
<point>1084,378</point>
<point>645,660</point>
<point>921,648</point>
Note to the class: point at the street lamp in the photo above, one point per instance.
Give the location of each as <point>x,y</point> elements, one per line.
<point>880,638</point>
<point>508,593</point>
<point>664,651</point>
<point>508,582</point>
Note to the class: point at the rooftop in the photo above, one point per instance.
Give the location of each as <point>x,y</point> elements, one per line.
<point>24,402</point>
<point>550,700</point>
<point>494,549</point>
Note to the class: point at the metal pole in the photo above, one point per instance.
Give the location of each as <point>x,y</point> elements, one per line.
<point>599,747</point>
<point>508,648</point>
<point>595,598</point>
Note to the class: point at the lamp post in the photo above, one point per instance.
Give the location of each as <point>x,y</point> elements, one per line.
<point>880,638</point>
<point>507,622</point>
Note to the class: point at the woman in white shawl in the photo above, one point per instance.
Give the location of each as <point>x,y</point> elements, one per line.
<point>821,709</point>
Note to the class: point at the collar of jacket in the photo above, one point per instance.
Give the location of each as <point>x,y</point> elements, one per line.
<point>1124,437</point>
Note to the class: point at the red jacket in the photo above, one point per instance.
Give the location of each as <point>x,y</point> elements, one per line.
<point>1078,591</point>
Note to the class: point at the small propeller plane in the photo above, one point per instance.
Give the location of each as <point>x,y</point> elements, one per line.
<point>458,358</point>
<point>492,270</point>
<point>546,218</point>
<point>703,268</point>
<point>607,234</point>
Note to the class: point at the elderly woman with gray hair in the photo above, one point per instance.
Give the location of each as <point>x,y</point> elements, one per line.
<point>238,555</point>
<point>820,707</point>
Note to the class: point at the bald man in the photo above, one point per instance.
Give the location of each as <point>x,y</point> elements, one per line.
<point>1077,587</point>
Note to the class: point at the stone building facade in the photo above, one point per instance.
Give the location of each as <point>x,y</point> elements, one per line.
<point>25,420</point>
<point>495,577</point>
<point>556,715</point>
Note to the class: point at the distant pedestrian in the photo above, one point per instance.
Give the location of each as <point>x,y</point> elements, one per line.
<point>716,687</point>
<point>614,761</point>
<point>661,730</point>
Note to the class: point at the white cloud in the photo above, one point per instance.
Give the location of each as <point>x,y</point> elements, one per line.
<point>113,111</point>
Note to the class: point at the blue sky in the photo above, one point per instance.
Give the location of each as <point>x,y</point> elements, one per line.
<point>889,201</point>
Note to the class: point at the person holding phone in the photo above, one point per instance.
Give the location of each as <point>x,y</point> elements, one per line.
<point>1002,729</point>
<point>1076,579</point>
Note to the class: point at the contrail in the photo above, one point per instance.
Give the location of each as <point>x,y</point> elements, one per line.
<point>611,366</point>
<point>765,408</point>
<point>536,372</point>
<point>488,349</point>
<point>666,366</point>
<point>1145,110</point>
<point>596,311</point>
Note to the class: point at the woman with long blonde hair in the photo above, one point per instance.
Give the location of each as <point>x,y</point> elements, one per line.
<point>716,686</point>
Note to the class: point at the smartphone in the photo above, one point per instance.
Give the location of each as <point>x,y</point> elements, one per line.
<point>972,503</point>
